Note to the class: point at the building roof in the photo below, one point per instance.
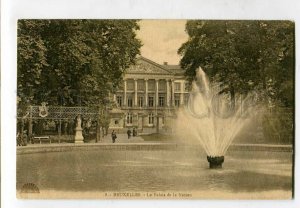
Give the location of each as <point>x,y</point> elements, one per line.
<point>144,65</point>
<point>176,69</point>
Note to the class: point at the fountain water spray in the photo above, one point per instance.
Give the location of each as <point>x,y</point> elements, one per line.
<point>214,117</point>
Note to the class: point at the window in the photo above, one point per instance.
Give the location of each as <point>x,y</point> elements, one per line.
<point>141,101</point>
<point>163,120</point>
<point>119,101</point>
<point>116,122</point>
<point>162,85</point>
<point>177,100</point>
<point>129,118</point>
<point>140,85</point>
<point>151,118</point>
<point>151,85</point>
<point>186,87</point>
<point>161,101</point>
<point>177,87</point>
<point>151,101</point>
<point>130,85</point>
<point>129,102</point>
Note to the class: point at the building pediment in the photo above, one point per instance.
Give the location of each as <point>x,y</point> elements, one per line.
<point>146,66</point>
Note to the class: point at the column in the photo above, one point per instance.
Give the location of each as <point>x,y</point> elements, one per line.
<point>115,98</point>
<point>137,121</point>
<point>181,94</point>
<point>157,124</point>
<point>124,120</point>
<point>146,92</point>
<point>156,92</point>
<point>125,89</point>
<point>142,118</point>
<point>135,93</point>
<point>172,92</point>
<point>168,92</point>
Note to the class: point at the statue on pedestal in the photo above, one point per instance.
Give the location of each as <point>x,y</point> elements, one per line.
<point>78,122</point>
<point>78,130</point>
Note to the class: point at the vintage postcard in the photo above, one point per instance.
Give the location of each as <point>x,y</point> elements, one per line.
<point>155,109</point>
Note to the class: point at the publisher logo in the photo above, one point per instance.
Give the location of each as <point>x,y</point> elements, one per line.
<point>30,188</point>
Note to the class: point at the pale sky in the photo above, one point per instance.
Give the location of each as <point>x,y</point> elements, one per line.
<point>161,39</point>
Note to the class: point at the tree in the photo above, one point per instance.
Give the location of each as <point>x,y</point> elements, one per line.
<point>73,62</point>
<point>243,56</point>
<point>246,56</point>
<point>31,59</point>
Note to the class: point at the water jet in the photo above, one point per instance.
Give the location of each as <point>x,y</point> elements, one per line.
<point>214,115</point>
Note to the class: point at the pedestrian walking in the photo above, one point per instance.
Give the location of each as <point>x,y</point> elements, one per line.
<point>129,133</point>
<point>134,132</point>
<point>113,136</point>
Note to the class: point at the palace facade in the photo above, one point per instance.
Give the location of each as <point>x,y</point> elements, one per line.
<point>149,97</point>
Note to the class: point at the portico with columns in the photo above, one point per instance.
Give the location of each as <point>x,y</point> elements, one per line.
<point>148,97</point>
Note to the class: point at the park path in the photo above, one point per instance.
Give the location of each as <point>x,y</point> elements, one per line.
<point>123,138</point>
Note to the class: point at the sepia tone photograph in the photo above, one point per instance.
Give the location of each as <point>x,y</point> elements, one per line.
<point>155,109</point>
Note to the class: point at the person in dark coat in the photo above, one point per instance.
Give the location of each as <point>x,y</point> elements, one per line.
<point>128,133</point>
<point>134,132</point>
<point>113,136</point>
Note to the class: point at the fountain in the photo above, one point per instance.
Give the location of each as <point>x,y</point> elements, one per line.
<point>214,117</point>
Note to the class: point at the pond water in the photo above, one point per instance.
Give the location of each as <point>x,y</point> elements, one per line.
<point>157,170</point>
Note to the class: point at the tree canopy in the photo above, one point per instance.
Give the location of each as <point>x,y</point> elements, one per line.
<point>73,62</point>
<point>243,56</point>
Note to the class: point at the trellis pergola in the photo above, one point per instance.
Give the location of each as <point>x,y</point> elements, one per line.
<point>60,113</point>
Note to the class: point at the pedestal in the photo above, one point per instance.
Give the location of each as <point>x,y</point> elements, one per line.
<point>78,135</point>
<point>215,162</point>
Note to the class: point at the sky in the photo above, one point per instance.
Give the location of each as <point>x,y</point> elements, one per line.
<point>161,39</point>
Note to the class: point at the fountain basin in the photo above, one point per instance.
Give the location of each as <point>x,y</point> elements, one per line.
<point>215,162</point>
<point>91,170</point>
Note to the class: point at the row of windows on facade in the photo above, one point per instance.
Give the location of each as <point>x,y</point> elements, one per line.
<point>162,85</point>
<point>129,119</point>
<point>161,101</point>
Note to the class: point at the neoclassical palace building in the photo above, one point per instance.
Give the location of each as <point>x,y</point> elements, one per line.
<point>149,97</point>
